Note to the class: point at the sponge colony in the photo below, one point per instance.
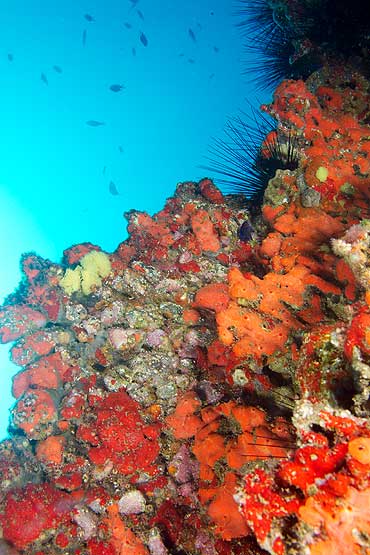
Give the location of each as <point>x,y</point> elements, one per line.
<point>94,266</point>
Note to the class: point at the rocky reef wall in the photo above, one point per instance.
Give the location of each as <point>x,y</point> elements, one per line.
<point>195,393</point>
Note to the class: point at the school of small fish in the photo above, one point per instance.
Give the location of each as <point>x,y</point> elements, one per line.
<point>118,87</point>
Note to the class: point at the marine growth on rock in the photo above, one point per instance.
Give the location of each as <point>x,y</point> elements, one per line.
<point>199,391</point>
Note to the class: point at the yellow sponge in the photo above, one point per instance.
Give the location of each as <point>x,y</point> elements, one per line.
<point>94,266</point>
<point>322,173</point>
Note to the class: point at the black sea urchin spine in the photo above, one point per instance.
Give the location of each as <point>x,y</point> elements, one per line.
<point>249,155</point>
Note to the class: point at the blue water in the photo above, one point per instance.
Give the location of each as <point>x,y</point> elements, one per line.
<point>178,93</point>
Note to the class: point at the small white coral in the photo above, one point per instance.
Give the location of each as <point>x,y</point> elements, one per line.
<point>132,503</point>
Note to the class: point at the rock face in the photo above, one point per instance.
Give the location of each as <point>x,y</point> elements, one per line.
<point>209,392</point>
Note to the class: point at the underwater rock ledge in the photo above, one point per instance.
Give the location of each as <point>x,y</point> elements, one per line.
<point>192,393</point>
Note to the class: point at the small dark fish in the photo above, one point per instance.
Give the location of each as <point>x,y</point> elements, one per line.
<point>216,49</point>
<point>117,88</point>
<point>140,14</point>
<point>104,169</point>
<point>127,25</point>
<point>44,79</point>
<point>133,4</point>
<point>192,35</point>
<point>245,232</point>
<point>10,57</point>
<point>120,148</point>
<point>84,34</point>
<point>57,69</point>
<point>89,17</point>
<point>211,76</point>
<point>133,50</point>
<point>143,39</point>
<point>191,60</point>
<point>211,13</point>
<point>95,123</point>
<point>181,55</point>
<point>113,189</point>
